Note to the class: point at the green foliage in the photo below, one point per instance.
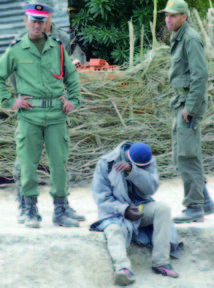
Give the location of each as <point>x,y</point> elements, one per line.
<point>99,8</point>
<point>102,25</point>
<point>201,5</point>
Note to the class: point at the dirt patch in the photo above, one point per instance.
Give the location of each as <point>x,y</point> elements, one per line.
<point>59,257</point>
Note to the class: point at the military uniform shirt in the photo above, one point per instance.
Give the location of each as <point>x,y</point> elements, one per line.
<point>34,75</point>
<point>189,68</point>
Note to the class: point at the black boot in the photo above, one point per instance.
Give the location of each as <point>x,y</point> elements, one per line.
<point>21,209</point>
<point>71,213</point>
<point>21,201</point>
<point>32,216</point>
<point>21,205</point>
<point>190,214</point>
<point>59,217</point>
<point>208,202</point>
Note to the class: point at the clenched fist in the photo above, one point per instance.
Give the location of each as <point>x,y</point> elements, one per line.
<point>132,213</point>
<point>68,106</point>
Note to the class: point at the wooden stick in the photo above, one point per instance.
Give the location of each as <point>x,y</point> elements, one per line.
<point>154,24</point>
<point>201,26</point>
<point>142,41</point>
<point>118,113</point>
<point>132,40</point>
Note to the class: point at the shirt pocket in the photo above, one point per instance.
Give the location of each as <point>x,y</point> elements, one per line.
<point>178,55</point>
<point>26,71</point>
<point>178,63</point>
<point>51,62</point>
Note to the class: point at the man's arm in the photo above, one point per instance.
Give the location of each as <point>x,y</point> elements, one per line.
<point>7,65</point>
<point>102,192</point>
<point>71,81</point>
<point>198,76</point>
<point>13,77</point>
<point>146,180</point>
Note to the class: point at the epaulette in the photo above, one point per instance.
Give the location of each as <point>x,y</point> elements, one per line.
<point>57,40</point>
<point>15,42</point>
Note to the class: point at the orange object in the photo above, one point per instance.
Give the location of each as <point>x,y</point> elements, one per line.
<point>98,65</point>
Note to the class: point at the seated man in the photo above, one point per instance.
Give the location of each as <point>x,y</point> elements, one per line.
<point>123,183</point>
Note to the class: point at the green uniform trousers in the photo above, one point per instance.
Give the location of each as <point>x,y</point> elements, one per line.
<point>30,139</point>
<point>186,143</point>
<point>156,213</point>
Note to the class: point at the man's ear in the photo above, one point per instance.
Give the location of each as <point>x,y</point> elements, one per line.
<point>185,17</point>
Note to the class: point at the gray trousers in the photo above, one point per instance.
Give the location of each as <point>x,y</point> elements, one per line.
<point>186,143</point>
<point>156,213</point>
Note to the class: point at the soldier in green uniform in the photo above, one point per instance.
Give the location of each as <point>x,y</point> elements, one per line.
<point>52,31</point>
<point>42,69</point>
<point>189,77</point>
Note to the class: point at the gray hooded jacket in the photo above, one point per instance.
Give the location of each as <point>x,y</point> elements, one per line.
<point>110,192</point>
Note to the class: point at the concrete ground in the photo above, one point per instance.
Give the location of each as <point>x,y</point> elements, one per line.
<point>52,257</point>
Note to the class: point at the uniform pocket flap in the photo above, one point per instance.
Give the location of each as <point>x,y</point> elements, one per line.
<point>188,142</point>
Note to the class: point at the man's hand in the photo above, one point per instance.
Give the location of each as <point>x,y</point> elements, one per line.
<point>68,106</point>
<point>185,115</point>
<point>132,213</point>
<point>22,103</point>
<point>123,166</point>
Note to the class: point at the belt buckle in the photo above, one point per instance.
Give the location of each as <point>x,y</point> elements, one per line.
<point>43,103</point>
<point>46,103</point>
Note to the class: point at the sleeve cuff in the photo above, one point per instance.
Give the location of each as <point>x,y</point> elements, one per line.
<point>189,111</point>
<point>130,176</point>
<point>120,209</point>
<point>7,102</point>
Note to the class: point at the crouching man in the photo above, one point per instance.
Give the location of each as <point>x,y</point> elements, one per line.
<point>123,183</point>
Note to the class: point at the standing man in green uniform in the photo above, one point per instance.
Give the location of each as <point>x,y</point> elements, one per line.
<point>189,77</point>
<point>42,69</point>
<point>52,31</point>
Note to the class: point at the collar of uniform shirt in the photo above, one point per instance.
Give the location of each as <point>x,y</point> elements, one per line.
<point>177,36</point>
<point>26,43</point>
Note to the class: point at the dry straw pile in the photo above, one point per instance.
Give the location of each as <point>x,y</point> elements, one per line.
<point>111,112</point>
<point>131,105</point>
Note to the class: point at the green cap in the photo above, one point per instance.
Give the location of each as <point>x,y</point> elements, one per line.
<point>49,3</point>
<point>176,7</point>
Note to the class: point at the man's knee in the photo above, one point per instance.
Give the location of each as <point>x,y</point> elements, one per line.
<point>17,170</point>
<point>113,230</point>
<point>163,209</point>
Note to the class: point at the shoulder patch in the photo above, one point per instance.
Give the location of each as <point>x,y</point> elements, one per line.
<point>15,42</point>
